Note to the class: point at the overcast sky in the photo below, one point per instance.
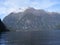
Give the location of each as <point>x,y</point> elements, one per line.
<point>7,6</point>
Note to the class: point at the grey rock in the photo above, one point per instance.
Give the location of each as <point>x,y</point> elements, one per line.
<point>32,19</point>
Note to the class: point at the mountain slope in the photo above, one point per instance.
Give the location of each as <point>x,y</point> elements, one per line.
<point>32,19</point>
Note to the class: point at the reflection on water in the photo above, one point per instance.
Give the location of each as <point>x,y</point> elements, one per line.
<point>2,39</point>
<point>31,38</point>
<point>2,42</point>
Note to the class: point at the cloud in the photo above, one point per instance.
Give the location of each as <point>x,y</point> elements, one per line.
<point>7,6</point>
<point>42,4</point>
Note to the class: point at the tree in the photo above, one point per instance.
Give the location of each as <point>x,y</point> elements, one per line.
<point>2,27</point>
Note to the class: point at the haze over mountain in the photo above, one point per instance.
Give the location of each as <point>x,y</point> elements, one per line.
<point>32,19</point>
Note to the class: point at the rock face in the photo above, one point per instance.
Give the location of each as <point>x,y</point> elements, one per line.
<point>32,19</point>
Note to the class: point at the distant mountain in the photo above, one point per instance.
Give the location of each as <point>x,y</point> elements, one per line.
<point>32,19</point>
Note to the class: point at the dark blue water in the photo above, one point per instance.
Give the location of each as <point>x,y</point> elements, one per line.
<point>31,38</point>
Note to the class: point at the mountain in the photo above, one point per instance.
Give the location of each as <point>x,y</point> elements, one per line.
<point>32,19</point>
<point>2,27</point>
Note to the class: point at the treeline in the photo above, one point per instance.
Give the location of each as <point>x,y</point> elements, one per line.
<point>2,27</point>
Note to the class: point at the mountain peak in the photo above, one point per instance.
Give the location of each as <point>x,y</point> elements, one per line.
<point>32,19</point>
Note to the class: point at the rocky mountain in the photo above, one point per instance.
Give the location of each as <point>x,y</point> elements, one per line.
<point>32,19</point>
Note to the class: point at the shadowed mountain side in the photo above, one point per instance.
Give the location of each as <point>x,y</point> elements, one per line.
<point>2,27</point>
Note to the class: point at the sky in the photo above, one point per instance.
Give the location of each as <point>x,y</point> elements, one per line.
<point>8,6</point>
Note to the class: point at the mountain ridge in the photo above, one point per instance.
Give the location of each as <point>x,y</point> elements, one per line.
<point>32,19</point>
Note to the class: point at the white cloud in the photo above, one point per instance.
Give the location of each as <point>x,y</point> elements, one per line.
<point>13,5</point>
<point>10,6</point>
<point>43,4</point>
